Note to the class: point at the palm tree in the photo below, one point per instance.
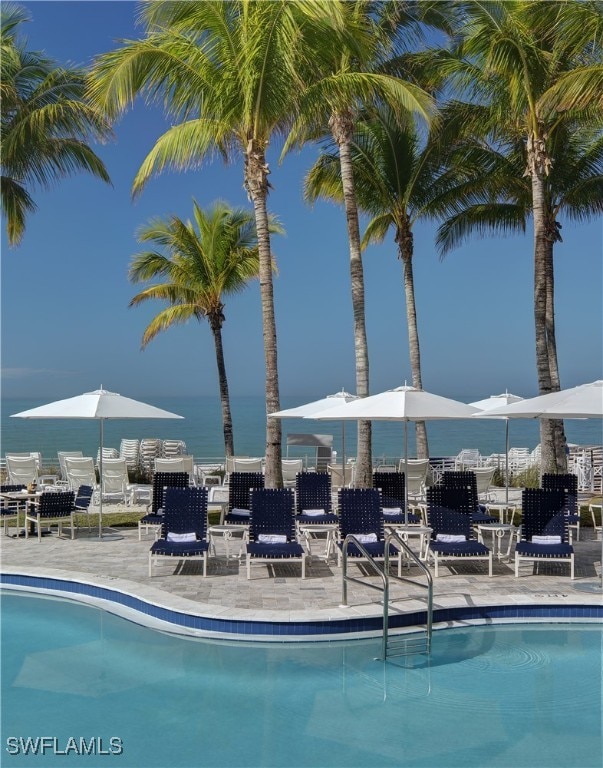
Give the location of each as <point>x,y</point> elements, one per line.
<point>46,123</point>
<point>227,75</point>
<point>348,71</point>
<point>529,71</point>
<point>395,179</point>
<point>201,262</point>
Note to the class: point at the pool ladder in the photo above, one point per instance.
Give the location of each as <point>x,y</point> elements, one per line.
<point>398,645</point>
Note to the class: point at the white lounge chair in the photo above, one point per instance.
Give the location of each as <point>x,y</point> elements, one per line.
<point>22,470</point>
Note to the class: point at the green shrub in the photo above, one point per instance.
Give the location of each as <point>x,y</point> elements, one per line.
<point>529,478</point>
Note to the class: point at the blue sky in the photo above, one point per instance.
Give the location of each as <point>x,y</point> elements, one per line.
<point>67,328</point>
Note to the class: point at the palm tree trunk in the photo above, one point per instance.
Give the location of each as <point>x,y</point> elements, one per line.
<point>256,183</point>
<point>216,328</point>
<point>559,440</point>
<point>536,156</point>
<point>342,127</point>
<point>404,238</point>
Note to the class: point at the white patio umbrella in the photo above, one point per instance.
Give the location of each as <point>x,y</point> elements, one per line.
<point>99,405</point>
<point>309,411</point>
<point>489,404</point>
<point>582,402</point>
<point>401,404</point>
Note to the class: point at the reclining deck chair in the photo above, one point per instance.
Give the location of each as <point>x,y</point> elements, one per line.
<point>569,485</point>
<point>544,528</point>
<point>415,472</point>
<point>452,536</point>
<point>10,508</point>
<point>51,507</point>
<point>391,485</point>
<point>291,468</point>
<point>154,517</point>
<point>115,481</point>
<point>313,507</point>
<point>22,470</point>
<point>239,496</point>
<point>360,516</point>
<point>463,496</point>
<point>80,471</point>
<point>272,535</point>
<point>184,527</point>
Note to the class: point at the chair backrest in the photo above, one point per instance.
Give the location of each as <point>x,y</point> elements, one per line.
<point>246,465</point>
<point>543,514</point>
<point>291,467</point>
<point>240,486</point>
<point>335,472</point>
<point>176,464</point>
<point>162,481</point>
<point>272,513</point>
<point>185,511</point>
<point>115,475</point>
<point>460,498</point>
<point>62,455</point>
<point>313,491</point>
<point>442,519</point>
<point>415,472</point>
<point>483,478</point>
<point>391,487</point>
<point>22,469</point>
<point>80,471</point>
<point>83,498</point>
<point>108,453</point>
<point>11,488</point>
<point>466,483</point>
<point>568,484</point>
<point>55,504</point>
<point>360,512</point>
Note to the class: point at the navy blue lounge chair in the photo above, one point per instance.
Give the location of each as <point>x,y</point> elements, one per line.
<point>240,486</point>
<point>184,527</point>
<point>391,485</point>
<point>452,537</point>
<point>9,508</point>
<point>51,507</point>
<point>462,496</point>
<point>544,529</point>
<point>154,517</point>
<point>314,512</point>
<point>360,516</point>
<point>567,483</point>
<point>272,535</point>
<point>83,499</point>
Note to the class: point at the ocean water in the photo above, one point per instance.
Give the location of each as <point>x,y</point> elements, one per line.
<point>201,430</point>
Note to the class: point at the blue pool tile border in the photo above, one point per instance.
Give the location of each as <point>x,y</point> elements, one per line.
<point>296,629</point>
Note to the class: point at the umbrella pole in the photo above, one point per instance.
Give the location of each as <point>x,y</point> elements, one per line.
<point>100,492</point>
<point>343,452</point>
<point>507,464</point>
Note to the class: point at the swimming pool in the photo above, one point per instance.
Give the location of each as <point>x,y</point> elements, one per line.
<point>507,695</point>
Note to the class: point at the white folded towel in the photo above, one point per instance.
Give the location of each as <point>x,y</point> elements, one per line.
<point>313,512</point>
<point>450,538</point>
<point>180,537</point>
<point>240,512</point>
<point>366,538</point>
<point>272,538</point>
<point>546,539</point>
<point>392,510</point>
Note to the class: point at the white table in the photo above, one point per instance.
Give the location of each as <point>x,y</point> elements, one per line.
<point>227,532</point>
<point>423,532</point>
<point>506,512</point>
<point>330,529</point>
<point>497,532</point>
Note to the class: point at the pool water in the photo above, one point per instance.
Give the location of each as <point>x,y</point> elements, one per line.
<point>521,696</point>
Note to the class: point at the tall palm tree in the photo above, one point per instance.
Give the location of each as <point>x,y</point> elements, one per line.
<point>348,71</point>
<point>45,124</point>
<point>200,261</point>
<point>395,174</point>
<point>227,75</point>
<point>528,69</point>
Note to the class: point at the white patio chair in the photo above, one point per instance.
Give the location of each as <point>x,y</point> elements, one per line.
<point>62,455</point>
<point>247,465</point>
<point>80,471</point>
<point>415,471</point>
<point>468,458</point>
<point>177,464</point>
<point>290,469</point>
<point>22,470</point>
<point>483,481</point>
<point>115,481</point>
